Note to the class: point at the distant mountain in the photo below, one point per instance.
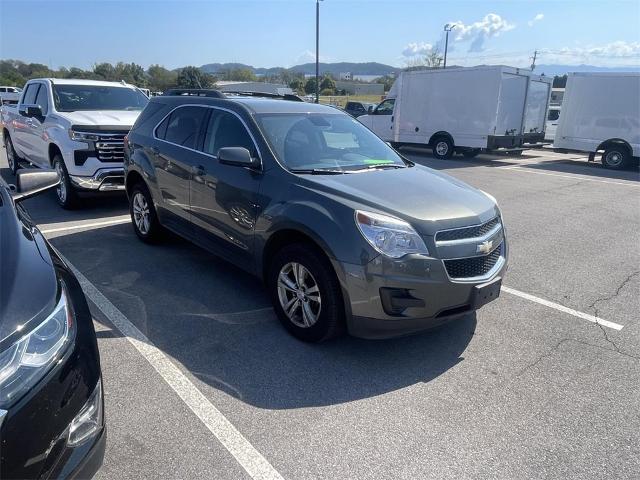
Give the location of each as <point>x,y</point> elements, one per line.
<point>335,69</point>
<point>552,70</point>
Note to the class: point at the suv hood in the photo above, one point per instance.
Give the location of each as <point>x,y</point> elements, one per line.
<point>28,285</point>
<point>428,199</point>
<point>115,118</point>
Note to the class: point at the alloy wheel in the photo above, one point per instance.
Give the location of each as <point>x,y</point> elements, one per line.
<point>141,213</point>
<point>299,295</point>
<point>442,148</point>
<point>10,155</point>
<point>614,158</point>
<point>61,190</point>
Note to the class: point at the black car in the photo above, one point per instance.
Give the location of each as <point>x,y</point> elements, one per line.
<point>355,109</point>
<point>51,401</point>
<point>347,234</point>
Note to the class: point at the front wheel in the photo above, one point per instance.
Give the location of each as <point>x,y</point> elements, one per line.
<point>12,157</point>
<point>306,294</point>
<point>442,148</point>
<point>65,192</point>
<point>615,157</point>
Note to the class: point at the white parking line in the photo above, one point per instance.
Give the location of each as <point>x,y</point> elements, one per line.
<point>246,455</point>
<point>574,177</point>
<point>106,223</point>
<point>562,308</point>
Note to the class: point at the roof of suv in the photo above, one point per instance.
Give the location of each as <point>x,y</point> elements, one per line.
<point>81,81</point>
<point>269,105</point>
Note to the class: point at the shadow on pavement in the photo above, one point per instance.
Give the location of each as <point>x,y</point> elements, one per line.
<point>578,167</point>
<point>217,322</point>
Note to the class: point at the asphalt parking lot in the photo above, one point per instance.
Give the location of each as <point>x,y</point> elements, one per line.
<point>201,381</point>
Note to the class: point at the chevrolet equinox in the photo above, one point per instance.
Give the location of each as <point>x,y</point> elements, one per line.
<point>347,234</point>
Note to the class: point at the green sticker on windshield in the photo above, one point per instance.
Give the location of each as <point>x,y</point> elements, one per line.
<point>376,161</point>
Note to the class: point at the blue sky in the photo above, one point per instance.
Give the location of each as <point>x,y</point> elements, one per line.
<point>269,33</point>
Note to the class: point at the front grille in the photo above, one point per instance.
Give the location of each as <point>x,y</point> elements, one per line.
<point>473,266</point>
<point>467,232</point>
<point>110,147</point>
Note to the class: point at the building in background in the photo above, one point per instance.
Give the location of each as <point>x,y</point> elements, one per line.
<point>346,76</point>
<point>258,87</point>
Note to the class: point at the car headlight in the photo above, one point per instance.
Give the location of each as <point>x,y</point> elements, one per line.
<point>390,236</point>
<point>82,136</point>
<point>25,362</point>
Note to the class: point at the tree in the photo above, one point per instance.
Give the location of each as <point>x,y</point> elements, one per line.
<point>161,79</point>
<point>105,71</point>
<point>560,81</point>
<point>131,73</point>
<point>387,81</point>
<point>310,86</point>
<point>193,77</point>
<point>296,84</point>
<point>240,75</point>
<point>328,83</point>
<point>431,59</point>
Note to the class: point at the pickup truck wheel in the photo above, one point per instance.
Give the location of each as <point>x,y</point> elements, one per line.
<point>616,157</point>
<point>12,157</point>
<point>306,294</point>
<point>65,192</point>
<point>143,214</point>
<point>442,148</point>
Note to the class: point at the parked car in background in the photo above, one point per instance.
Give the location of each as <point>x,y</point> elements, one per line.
<point>601,113</point>
<point>355,109</point>
<point>463,110</point>
<point>10,94</point>
<point>346,233</point>
<point>552,123</point>
<point>75,126</point>
<point>51,400</point>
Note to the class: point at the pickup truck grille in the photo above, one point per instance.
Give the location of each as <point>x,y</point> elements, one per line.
<point>467,232</point>
<point>465,268</point>
<point>110,147</point>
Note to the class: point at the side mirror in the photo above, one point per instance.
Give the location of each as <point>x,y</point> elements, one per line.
<point>31,111</point>
<point>370,109</point>
<point>237,157</point>
<point>31,182</point>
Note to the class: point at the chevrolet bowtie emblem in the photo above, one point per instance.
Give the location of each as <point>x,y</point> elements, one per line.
<point>485,247</point>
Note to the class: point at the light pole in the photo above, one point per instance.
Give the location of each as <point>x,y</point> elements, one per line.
<point>447,28</point>
<point>318,50</point>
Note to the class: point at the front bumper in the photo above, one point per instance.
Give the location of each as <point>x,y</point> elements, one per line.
<point>104,180</point>
<point>429,296</point>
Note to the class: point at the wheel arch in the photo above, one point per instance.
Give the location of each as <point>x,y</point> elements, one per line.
<point>439,134</point>
<point>52,151</point>
<point>615,142</point>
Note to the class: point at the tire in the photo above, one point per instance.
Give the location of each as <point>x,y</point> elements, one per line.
<point>12,156</point>
<point>442,148</point>
<point>143,215</point>
<point>308,320</point>
<point>66,194</point>
<point>471,153</point>
<point>616,157</point>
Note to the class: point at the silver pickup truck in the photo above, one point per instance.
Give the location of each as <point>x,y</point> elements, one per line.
<point>76,127</point>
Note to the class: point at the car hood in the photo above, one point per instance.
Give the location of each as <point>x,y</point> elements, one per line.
<point>115,118</point>
<point>28,285</point>
<point>428,199</point>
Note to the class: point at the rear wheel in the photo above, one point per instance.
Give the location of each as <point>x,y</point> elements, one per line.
<point>143,214</point>
<point>616,157</point>
<point>306,294</point>
<point>65,192</point>
<point>12,157</point>
<point>442,148</point>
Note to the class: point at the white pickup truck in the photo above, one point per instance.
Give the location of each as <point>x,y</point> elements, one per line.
<point>76,127</point>
<point>9,94</point>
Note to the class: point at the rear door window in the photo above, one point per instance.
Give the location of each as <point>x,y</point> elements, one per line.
<point>183,127</point>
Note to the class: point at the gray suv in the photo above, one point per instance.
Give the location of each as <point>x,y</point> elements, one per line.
<point>347,234</point>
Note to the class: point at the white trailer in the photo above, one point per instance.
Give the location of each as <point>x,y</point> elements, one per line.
<point>464,110</point>
<point>601,112</point>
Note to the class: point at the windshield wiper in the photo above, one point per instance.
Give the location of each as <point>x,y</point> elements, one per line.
<point>319,171</point>
<point>380,166</point>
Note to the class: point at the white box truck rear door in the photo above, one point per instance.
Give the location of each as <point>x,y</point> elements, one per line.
<point>536,107</point>
<point>513,91</point>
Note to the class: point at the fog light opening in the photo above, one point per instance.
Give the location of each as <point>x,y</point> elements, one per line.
<point>89,421</point>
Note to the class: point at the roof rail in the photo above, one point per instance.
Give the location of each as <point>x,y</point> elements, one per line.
<point>284,96</point>
<point>195,92</point>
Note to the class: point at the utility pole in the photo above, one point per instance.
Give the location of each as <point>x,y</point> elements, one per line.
<point>533,60</point>
<point>318,51</point>
<point>447,29</point>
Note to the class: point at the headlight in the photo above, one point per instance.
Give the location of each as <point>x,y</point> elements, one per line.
<point>25,362</point>
<point>82,136</point>
<point>390,236</point>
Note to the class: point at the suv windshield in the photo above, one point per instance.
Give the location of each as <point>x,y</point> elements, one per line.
<point>315,142</point>
<point>69,98</point>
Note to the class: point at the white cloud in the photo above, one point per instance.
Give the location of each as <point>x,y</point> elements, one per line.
<point>535,19</point>
<point>619,51</point>
<point>492,25</point>
<point>414,49</point>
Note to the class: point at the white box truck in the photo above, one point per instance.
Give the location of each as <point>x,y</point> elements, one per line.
<point>601,113</point>
<point>464,110</point>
